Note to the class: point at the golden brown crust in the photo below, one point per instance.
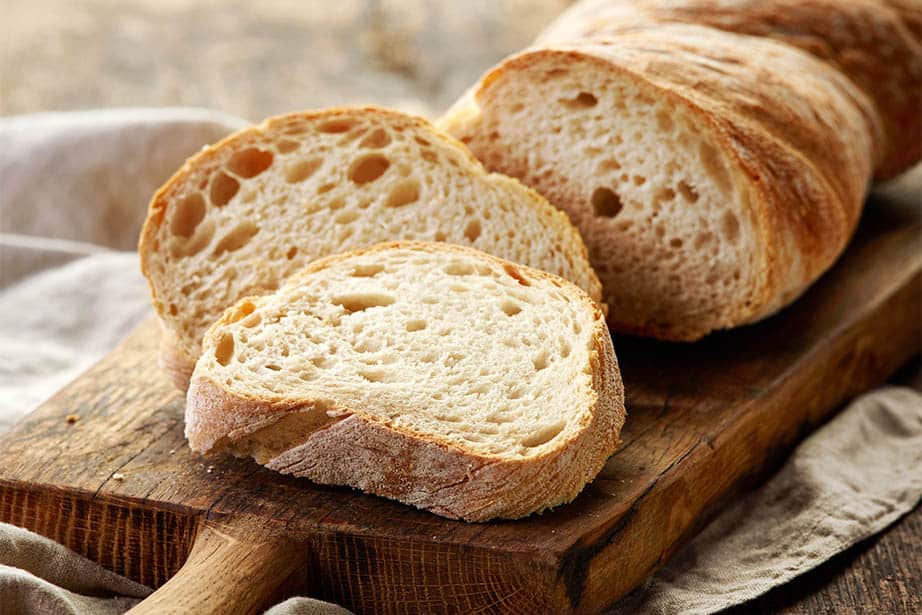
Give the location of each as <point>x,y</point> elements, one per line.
<point>156,265</point>
<point>770,113</point>
<point>874,42</point>
<point>359,449</point>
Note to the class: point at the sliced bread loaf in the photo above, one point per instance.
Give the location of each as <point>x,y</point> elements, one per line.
<point>713,175</point>
<point>243,215</point>
<point>429,373</point>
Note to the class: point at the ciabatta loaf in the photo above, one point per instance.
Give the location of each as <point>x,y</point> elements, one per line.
<point>713,175</point>
<point>243,215</point>
<point>429,373</point>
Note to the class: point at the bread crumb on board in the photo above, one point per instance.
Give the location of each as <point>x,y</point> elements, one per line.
<point>72,418</point>
<point>118,476</point>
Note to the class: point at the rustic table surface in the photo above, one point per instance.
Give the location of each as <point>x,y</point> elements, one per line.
<point>255,60</point>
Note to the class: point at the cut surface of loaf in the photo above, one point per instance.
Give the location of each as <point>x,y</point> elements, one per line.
<point>243,215</point>
<point>429,373</point>
<point>712,175</point>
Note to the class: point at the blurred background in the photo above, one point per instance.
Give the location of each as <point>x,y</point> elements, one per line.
<point>255,59</point>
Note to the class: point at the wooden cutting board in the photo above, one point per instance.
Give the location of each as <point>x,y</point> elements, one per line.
<point>705,420</point>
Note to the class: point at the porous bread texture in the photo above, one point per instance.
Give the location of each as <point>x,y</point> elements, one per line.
<point>243,215</point>
<point>713,176</point>
<point>429,373</point>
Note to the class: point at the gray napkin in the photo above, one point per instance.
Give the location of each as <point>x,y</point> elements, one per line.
<point>849,480</point>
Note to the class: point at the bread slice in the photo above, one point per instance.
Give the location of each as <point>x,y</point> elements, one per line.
<point>433,374</point>
<point>243,215</point>
<point>713,176</point>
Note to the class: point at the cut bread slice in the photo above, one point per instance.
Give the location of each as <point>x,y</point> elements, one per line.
<point>243,215</point>
<point>713,175</point>
<point>433,374</point>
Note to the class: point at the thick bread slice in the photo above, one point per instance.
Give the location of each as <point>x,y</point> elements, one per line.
<point>871,41</point>
<point>429,373</point>
<point>243,215</point>
<point>713,175</point>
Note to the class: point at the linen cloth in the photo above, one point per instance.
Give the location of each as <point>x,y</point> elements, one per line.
<point>73,192</point>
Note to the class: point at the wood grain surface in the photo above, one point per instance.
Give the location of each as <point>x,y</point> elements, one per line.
<point>120,486</point>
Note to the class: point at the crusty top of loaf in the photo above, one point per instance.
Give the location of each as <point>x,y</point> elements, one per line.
<point>871,41</point>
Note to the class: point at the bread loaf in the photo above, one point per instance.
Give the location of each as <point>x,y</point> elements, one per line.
<point>242,215</point>
<point>714,175</point>
<point>429,373</point>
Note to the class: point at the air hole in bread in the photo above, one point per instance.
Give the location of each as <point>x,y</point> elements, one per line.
<point>515,274</point>
<point>292,252</point>
<point>663,195</point>
<point>251,321</point>
<point>583,100</point>
<point>346,217</point>
<point>421,141</point>
<point>663,121</point>
<point>336,126</point>
<point>543,435</point>
<point>609,165</point>
<point>639,180</point>
<point>714,167</point>
<point>286,146</point>
<point>321,362</point>
<point>189,213</point>
<point>510,308</point>
<point>325,188</point>
<point>730,226</point>
<point>439,236</point>
<point>173,309</point>
<point>540,361</point>
<point>367,271</point>
<point>249,162</point>
<point>373,375</point>
<point>367,345</point>
<point>274,367</point>
<point>564,348</point>
<point>223,189</point>
<point>472,230</point>
<point>244,309</point>
<point>301,170</point>
<point>404,192</point>
<point>368,168</point>
<point>675,242</point>
<point>376,139</point>
<point>687,191</point>
<point>703,238</point>
<point>606,203</point>
<point>358,302</point>
<point>459,268</point>
<point>415,325</point>
<point>224,350</point>
<point>429,156</point>
<point>236,238</point>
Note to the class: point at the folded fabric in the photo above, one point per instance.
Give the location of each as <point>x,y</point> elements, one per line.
<point>846,482</point>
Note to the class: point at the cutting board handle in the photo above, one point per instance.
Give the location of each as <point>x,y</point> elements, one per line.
<point>235,567</point>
